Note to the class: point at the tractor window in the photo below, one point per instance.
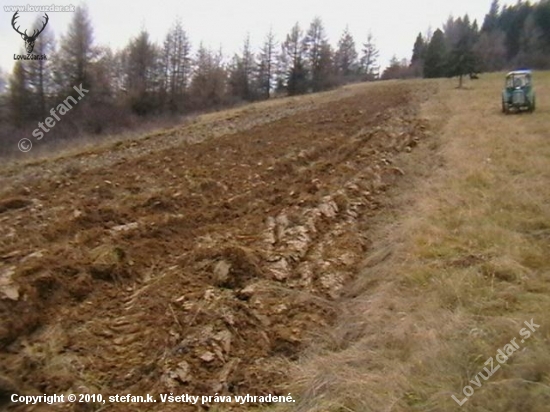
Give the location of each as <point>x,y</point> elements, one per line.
<point>518,80</point>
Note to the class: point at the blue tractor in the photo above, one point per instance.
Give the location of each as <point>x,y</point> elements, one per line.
<point>518,93</point>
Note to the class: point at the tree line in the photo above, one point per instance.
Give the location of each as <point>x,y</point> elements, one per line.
<point>516,36</point>
<point>145,78</point>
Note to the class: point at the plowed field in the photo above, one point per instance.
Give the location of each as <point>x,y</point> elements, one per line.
<point>198,260</point>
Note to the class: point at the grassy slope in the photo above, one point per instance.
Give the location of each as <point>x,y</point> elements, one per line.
<point>452,277</point>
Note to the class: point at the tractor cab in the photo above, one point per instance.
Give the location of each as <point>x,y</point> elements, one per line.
<point>518,93</point>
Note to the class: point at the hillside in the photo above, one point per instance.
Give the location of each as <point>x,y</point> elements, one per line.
<point>364,249</point>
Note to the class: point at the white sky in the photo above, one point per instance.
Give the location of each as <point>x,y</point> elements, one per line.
<point>394,23</point>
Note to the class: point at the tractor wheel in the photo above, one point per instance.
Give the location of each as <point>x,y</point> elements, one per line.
<point>505,108</point>
<point>533,105</point>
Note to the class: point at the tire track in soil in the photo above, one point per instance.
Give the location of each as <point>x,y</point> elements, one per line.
<point>201,268</point>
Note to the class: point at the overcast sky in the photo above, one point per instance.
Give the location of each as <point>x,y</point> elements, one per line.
<point>394,23</point>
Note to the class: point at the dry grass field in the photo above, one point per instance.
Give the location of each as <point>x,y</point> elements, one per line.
<point>459,266</point>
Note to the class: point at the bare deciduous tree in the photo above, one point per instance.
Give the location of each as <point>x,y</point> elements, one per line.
<point>266,66</point>
<point>346,57</point>
<point>369,59</point>
<point>294,55</point>
<point>77,51</point>
<point>176,66</point>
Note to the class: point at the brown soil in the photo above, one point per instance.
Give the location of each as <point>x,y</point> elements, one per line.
<point>198,267</point>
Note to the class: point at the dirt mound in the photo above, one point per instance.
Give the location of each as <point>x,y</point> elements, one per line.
<point>200,268</point>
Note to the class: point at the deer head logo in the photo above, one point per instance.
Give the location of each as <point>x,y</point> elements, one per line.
<point>29,40</point>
